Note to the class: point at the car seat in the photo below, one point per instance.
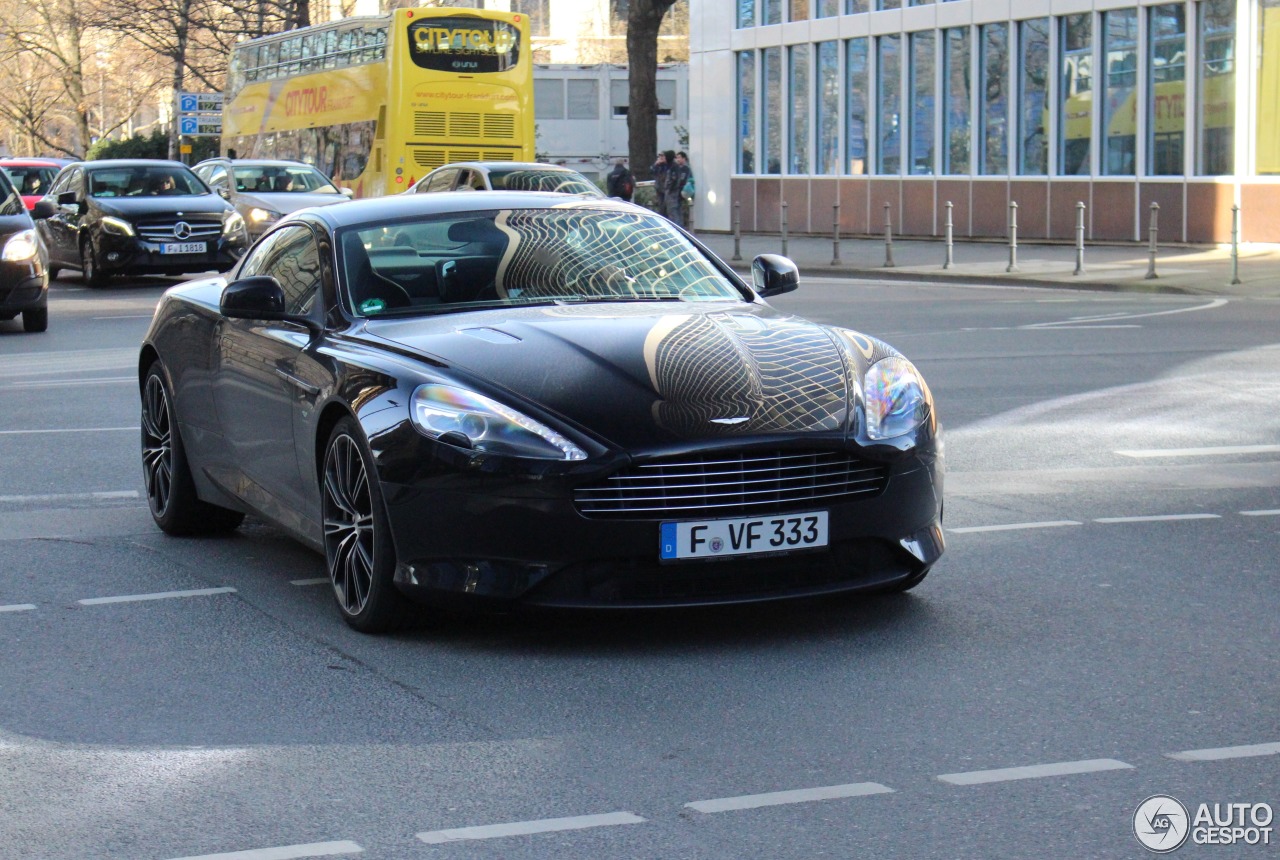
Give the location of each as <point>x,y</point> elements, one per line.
<point>364,283</point>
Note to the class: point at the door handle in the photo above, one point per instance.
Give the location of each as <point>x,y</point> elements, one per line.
<point>306,387</point>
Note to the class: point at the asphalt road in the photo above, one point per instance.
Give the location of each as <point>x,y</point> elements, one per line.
<point>1103,628</point>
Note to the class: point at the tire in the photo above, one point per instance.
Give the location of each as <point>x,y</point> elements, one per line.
<point>35,320</point>
<point>53,271</point>
<point>171,492</point>
<point>92,275</point>
<point>359,554</point>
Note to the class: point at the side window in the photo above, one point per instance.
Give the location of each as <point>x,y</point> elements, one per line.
<point>294,262</point>
<point>61,183</point>
<point>442,181</point>
<point>473,179</point>
<point>75,182</point>
<point>216,176</point>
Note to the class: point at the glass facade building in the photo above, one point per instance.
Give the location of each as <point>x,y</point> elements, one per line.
<point>917,103</point>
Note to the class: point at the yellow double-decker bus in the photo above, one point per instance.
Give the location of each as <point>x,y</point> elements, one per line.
<point>376,102</point>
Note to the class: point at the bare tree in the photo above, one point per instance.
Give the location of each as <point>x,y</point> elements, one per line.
<point>644,21</point>
<point>54,32</point>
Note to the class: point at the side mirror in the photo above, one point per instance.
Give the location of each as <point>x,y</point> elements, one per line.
<point>347,193</point>
<point>223,192</point>
<point>68,198</point>
<point>259,297</point>
<point>773,275</point>
<point>44,209</point>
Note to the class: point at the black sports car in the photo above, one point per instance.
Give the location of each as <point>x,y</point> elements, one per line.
<point>540,399</point>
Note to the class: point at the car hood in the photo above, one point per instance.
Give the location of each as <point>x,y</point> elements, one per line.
<point>286,202</point>
<point>136,207</point>
<point>651,373</point>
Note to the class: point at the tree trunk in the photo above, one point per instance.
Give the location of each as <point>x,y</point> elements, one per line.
<point>179,72</point>
<point>644,17</point>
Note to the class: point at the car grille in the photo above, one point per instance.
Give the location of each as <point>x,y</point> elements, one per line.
<point>161,229</point>
<point>730,484</point>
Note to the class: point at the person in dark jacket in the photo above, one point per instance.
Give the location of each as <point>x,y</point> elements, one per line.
<point>620,183</point>
<point>677,176</point>
<point>659,170</point>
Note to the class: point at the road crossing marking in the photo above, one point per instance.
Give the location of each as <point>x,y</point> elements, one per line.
<point>1158,518</point>
<point>525,828</point>
<point>1014,526</point>
<point>68,430</point>
<point>159,595</point>
<point>1035,771</point>
<point>101,496</point>
<point>18,607</point>
<point>320,580</point>
<point>1220,753</point>
<point>1215,451</point>
<point>1271,513</point>
<point>780,798</point>
<point>286,852</point>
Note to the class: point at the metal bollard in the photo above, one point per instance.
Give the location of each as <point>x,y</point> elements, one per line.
<point>784,228</point>
<point>1151,233</point>
<point>947,263</point>
<point>1079,239</point>
<point>835,234</point>
<point>737,230</point>
<point>1235,244</point>
<point>1013,236</point>
<point>888,237</point>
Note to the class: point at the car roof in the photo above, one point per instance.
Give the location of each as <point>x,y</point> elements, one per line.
<point>508,165</point>
<point>31,162</point>
<point>398,206</point>
<point>255,162</point>
<point>129,162</point>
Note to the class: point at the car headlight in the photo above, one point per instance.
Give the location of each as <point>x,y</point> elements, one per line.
<point>116,226</point>
<point>263,216</point>
<point>897,399</point>
<point>233,225</point>
<point>438,410</point>
<point>20,247</point>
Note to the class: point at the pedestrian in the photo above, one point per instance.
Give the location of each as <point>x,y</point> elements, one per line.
<point>620,183</point>
<point>678,178</point>
<point>659,170</point>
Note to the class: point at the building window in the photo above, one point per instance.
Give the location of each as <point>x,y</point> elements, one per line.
<point>993,89</point>
<point>827,104</point>
<point>746,13</point>
<point>798,113</point>
<point>1075,100</point>
<point>771,145</point>
<point>1120,80</point>
<point>772,12</point>
<point>855,108</point>
<point>1268,135</point>
<point>888,114</point>
<point>747,112</point>
<point>799,10</point>
<point>1033,96</point>
<point>620,97</point>
<point>1167,106</point>
<point>922,100</point>
<point>1216,114</point>
<point>888,4</point>
<point>583,98</point>
<point>548,99</point>
<point>955,115</point>
<point>539,14</point>
<point>852,7</point>
<point>827,8</point>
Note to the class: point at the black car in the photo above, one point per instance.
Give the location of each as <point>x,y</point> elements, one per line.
<point>540,400</point>
<point>137,217</point>
<point>24,279</point>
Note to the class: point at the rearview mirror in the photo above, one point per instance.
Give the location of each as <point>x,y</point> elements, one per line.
<point>773,275</point>
<point>259,297</point>
<point>44,209</point>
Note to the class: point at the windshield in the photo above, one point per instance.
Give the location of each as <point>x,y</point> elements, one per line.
<point>298,179</point>
<point>526,179</point>
<point>500,258</point>
<point>161,180</point>
<point>31,181</point>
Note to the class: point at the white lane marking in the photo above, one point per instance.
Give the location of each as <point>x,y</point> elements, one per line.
<point>105,495</point>
<point>780,798</point>
<point>322,580</point>
<point>68,430</point>
<point>1035,771</point>
<point>1158,518</point>
<point>1107,318</point>
<point>524,828</point>
<point>1007,527</point>
<point>159,595</point>
<point>17,607</point>
<point>286,852</point>
<point>1220,753</point>
<point>64,383</point>
<point>1220,450</point>
<point>1273,513</point>
<point>126,317</point>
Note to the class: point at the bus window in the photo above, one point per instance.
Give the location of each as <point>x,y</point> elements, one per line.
<point>348,44</point>
<point>464,45</point>
<point>271,60</point>
<point>330,48</point>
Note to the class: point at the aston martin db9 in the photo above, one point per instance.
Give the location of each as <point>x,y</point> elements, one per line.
<point>535,399</point>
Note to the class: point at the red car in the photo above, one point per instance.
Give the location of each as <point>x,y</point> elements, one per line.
<point>31,176</point>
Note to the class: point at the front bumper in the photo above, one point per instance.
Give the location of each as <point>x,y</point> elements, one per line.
<point>131,255</point>
<point>524,541</point>
<point>23,287</point>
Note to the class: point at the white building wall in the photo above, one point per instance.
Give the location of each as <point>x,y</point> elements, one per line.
<point>712,114</point>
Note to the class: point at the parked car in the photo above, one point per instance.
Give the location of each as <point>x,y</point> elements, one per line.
<point>24,278</point>
<point>263,192</point>
<point>31,176</point>
<point>505,176</point>
<point>137,217</point>
<point>526,398</point>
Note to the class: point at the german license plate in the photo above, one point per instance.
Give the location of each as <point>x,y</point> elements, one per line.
<point>748,536</point>
<point>182,248</point>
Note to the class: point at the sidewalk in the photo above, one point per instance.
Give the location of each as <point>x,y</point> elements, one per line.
<point>1201,270</point>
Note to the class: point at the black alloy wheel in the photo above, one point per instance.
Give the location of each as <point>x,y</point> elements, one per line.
<point>171,493</point>
<point>358,550</point>
<point>91,273</point>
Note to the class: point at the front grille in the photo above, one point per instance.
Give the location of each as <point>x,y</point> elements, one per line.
<point>731,484</point>
<point>160,229</point>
